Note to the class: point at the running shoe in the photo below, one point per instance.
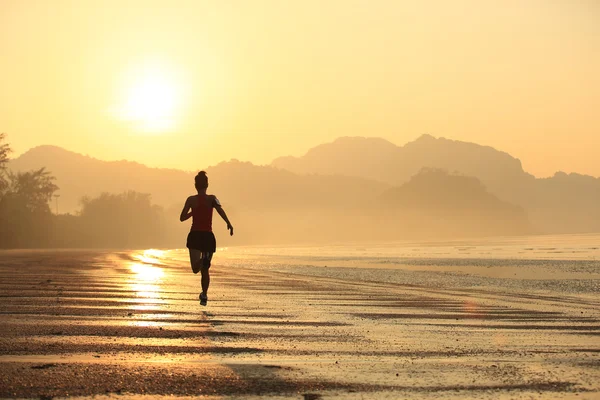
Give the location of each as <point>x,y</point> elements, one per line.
<point>203,299</point>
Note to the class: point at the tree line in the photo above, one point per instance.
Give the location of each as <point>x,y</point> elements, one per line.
<point>120,220</point>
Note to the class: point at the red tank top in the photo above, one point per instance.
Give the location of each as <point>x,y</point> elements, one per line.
<point>202,214</point>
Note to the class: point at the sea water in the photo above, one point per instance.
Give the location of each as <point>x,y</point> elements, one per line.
<point>545,263</point>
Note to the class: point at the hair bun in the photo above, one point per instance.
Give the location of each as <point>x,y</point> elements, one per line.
<point>201,180</point>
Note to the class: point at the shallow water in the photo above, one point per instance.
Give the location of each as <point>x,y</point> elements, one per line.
<point>564,263</point>
<point>547,247</point>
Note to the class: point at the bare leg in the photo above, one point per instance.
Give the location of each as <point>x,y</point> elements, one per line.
<point>206,258</point>
<point>205,280</point>
<point>195,260</point>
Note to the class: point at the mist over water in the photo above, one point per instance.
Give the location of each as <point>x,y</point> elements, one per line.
<point>537,247</point>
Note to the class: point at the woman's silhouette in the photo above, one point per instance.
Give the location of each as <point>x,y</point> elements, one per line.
<point>201,240</point>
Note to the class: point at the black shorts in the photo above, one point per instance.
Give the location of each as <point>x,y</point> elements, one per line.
<point>202,240</point>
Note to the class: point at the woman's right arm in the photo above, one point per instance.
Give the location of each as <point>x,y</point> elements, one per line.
<point>186,213</point>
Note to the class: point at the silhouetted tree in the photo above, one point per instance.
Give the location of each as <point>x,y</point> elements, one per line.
<point>122,220</point>
<point>34,189</point>
<point>5,150</point>
<point>25,218</point>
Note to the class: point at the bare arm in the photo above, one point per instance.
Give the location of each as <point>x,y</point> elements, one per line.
<point>224,216</point>
<point>186,213</point>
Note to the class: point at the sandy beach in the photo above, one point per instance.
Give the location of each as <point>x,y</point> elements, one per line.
<point>512,318</point>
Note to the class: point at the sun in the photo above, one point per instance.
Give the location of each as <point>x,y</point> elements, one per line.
<point>151,100</point>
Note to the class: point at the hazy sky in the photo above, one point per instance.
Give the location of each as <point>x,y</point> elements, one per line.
<point>187,84</point>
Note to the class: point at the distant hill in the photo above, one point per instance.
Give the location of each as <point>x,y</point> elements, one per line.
<point>560,204</point>
<point>78,175</point>
<point>332,191</point>
<point>369,158</point>
<point>452,205</point>
<point>565,203</point>
<point>240,183</point>
<point>264,187</point>
<point>378,159</point>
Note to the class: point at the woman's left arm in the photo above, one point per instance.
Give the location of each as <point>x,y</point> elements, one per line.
<point>219,208</point>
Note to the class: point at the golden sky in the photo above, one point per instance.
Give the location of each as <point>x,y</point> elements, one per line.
<point>187,84</point>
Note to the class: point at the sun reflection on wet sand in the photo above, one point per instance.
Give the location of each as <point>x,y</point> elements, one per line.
<point>145,307</point>
<point>146,280</point>
<point>147,273</point>
<point>151,256</point>
<point>147,324</point>
<point>146,283</point>
<point>151,292</point>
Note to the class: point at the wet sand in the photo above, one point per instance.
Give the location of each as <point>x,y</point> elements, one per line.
<point>307,324</point>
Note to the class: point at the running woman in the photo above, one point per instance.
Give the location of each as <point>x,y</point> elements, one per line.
<point>201,240</point>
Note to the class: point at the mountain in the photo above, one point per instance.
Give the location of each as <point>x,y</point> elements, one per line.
<point>565,203</point>
<point>264,187</point>
<point>243,184</point>
<point>378,159</point>
<point>78,175</point>
<point>335,194</point>
<point>560,204</point>
<point>453,205</point>
<point>351,156</point>
<point>266,204</point>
